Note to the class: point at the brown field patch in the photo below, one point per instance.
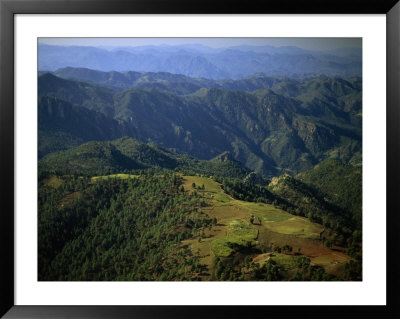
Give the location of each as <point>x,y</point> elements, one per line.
<point>278,228</point>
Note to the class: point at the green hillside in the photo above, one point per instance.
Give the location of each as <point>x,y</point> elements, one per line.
<point>118,230</point>
<point>170,226</point>
<point>330,194</point>
<point>91,158</point>
<point>340,183</point>
<point>126,154</point>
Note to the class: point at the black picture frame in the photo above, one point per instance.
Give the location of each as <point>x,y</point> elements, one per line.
<point>8,8</point>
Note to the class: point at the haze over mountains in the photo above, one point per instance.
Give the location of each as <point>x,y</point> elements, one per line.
<point>188,162</point>
<point>202,61</point>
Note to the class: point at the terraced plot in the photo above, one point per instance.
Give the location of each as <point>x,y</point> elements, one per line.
<point>234,230</point>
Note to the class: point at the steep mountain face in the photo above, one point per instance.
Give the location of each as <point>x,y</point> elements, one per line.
<point>268,132</point>
<point>234,62</point>
<point>91,97</point>
<point>62,125</point>
<point>223,157</point>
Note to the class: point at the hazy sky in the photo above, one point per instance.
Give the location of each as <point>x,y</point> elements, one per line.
<point>320,44</point>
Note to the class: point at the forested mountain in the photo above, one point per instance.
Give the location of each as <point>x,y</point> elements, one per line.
<point>312,202</point>
<point>63,125</point>
<point>118,230</point>
<point>118,81</point>
<point>329,194</point>
<point>180,84</point>
<point>268,132</point>
<point>230,62</point>
<point>127,154</point>
<point>341,185</point>
<point>196,163</point>
<point>163,225</point>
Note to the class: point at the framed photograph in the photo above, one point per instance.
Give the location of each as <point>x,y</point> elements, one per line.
<point>175,159</point>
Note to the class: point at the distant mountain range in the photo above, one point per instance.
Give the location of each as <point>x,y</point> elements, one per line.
<point>270,124</point>
<point>204,62</point>
<point>181,84</point>
<point>250,154</point>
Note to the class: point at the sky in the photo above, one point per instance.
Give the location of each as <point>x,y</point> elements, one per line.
<point>318,44</point>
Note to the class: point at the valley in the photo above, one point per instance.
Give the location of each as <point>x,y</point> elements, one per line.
<point>195,163</point>
<point>271,129</point>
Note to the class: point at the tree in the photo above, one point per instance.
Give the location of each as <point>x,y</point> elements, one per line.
<point>251,219</point>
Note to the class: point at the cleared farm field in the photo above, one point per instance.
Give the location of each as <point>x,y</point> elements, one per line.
<point>235,232</point>
<point>121,176</point>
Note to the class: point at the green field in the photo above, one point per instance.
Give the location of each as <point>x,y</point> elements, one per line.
<point>240,235</point>
<point>122,176</point>
<point>234,231</point>
<point>288,262</point>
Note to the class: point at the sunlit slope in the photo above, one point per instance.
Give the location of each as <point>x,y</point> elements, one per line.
<point>254,227</point>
